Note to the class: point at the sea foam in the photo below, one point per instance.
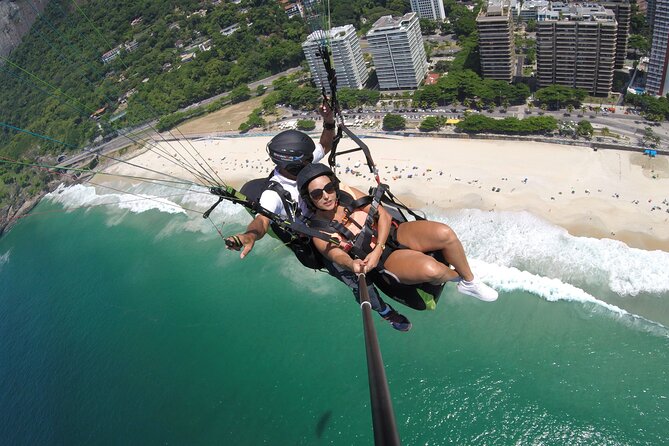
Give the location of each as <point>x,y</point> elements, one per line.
<point>504,278</point>
<point>135,201</point>
<point>4,259</point>
<point>517,240</point>
<point>528,243</point>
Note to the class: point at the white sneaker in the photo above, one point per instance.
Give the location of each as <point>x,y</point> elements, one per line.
<point>478,290</point>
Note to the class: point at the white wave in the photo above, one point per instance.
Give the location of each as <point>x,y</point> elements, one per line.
<point>504,278</point>
<point>526,242</point>
<point>80,195</point>
<point>4,259</point>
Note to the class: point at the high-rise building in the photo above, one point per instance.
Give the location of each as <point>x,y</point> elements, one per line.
<point>495,27</point>
<point>623,12</point>
<point>657,81</point>
<point>346,58</point>
<point>397,48</point>
<point>576,47</point>
<point>429,9</point>
<point>650,13</point>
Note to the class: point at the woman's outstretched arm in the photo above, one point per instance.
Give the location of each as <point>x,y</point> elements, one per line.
<point>339,256</point>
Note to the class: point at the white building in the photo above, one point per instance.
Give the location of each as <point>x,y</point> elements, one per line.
<point>111,55</point>
<point>397,48</point>
<point>530,9</point>
<point>429,9</point>
<point>346,56</point>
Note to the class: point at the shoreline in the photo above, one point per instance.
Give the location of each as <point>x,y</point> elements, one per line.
<point>613,194</point>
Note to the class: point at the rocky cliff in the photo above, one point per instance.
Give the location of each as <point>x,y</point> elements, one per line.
<point>16,18</point>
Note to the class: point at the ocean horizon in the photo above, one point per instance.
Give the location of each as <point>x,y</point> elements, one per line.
<point>130,323</point>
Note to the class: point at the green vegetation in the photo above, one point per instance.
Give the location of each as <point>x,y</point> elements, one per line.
<point>255,120</point>
<point>555,97</point>
<point>431,124</point>
<point>650,138</point>
<point>350,98</point>
<point>468,88</point>
<point>584,129</point>
<point>306,124</point>
<point>442,66</point>
<point>393,122</point>
<point>476,123</point>
<point>355,12</point>
<point>653,109</point>
<point>65,48</point>
<point>428,27</point>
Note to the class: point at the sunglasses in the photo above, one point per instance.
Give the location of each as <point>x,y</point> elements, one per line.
<point>317,194</point>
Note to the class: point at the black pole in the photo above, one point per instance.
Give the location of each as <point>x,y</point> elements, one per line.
<point>383,417</point>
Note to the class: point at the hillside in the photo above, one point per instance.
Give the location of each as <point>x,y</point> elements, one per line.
<point>16,18</point>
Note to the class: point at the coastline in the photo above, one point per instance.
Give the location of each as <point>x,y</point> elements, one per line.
<point>612,194</point>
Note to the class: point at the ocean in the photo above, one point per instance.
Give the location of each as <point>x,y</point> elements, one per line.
<point>132,324</point>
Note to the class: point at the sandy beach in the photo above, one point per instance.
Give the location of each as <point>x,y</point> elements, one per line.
<point>604,194</point>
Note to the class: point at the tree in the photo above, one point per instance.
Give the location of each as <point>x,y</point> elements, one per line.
<point>240,94</point>
<point>531,26</point>
<point>427,27</point>
<point>650,138</point>
<point>430,124</point>
<point>442,66</point>
<point>584,129</point>
<point>393,122</point>
<point>306,124</point>
<point>639,44</point>
<point>556,96</point>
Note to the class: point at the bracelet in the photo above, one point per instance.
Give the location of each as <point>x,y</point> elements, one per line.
<point>329,125</point>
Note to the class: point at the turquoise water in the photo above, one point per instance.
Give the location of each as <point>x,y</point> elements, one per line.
<point>136,326</point>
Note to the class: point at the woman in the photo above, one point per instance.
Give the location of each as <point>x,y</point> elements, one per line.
<point>399,248</point>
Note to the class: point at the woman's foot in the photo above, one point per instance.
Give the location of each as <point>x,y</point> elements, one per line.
<point>477,289</point>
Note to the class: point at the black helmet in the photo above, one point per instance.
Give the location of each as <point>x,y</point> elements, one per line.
<point>308,173</point>
<point>291,148</point>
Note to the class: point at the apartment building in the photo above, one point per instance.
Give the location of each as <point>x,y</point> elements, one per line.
<point>623,12</point>
<point>496,49</point>
<point>346,58</point>
<point>656,78</point>
<point>397,48</point>
<point>429,9</point>
<point>530,8</point>
<point>576,47</point>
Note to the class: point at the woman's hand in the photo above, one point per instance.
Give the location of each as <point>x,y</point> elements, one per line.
<point>372,259</point>
<point>359,266</point>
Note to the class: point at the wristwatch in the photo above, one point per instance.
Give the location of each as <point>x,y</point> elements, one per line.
<point>329,125</point>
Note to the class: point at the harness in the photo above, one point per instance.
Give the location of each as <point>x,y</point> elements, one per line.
<point>291,232</point>
<point>359,245</point>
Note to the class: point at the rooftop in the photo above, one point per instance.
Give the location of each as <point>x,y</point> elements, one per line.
<point>388,22</point>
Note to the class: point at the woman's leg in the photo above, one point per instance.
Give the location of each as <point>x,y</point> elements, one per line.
<point>427,236</point>
<point>412,267</point>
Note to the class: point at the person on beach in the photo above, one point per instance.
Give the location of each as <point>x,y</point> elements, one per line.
<point>291,151</point>
<point>399,249</point>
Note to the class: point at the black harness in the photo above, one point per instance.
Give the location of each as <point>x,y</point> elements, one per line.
<point>358,246</point>
<point>291,232</point>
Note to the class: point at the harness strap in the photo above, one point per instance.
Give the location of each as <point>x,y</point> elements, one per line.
<point>364,238</point>
<point>286,199</point>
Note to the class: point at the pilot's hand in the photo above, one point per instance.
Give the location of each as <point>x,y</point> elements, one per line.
<point>243,242</point>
